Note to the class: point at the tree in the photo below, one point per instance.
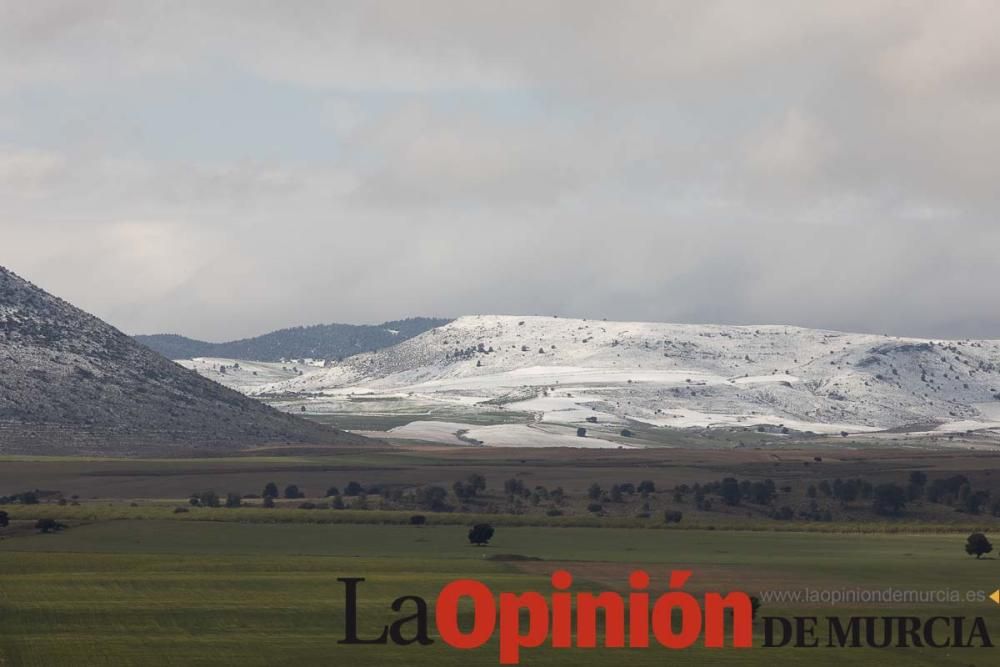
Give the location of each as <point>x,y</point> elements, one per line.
<point>581,432</point>
<point>418,520</point>
<point>730,491</point>
<point>48,525</point>
<point>977,545</point>
<point>270,490</point>
<point>205,499</point>
<point>4,520</point>
<point>477,482</point>
<point>432,498</point>
<point>233,500</point>
<point>337,503</point>
<point>646,486</point>
<point>888,499</point>
<point>595,491</point>
<point>268,502</point>
<point>481,534</point>
<point>292,491</point>
<point>332,491</point>
<point>514,487</point>
<point>353,489</point>
<point>672,516</point>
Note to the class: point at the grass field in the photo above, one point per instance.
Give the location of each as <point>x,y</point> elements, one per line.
<point>131,582</point>
<point>229,593</point>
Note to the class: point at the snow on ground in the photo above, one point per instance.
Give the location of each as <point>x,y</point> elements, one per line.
<point>497,435</point>
<point>563,371</point>
<point>247,375</point>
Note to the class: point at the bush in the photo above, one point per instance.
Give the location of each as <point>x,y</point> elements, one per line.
<point>292,491</point>
<point>180,510</point>
<point>672,516</point>
<point>553,512</point>
<point>353,489</point>
<point>268,502</point>
<point>270,490</point>
<point>233,500</point>
<point>307,506</point>
<point>332,491</point>
<point>418,520</point>
<point>595,507</point>
<point>4,520</point>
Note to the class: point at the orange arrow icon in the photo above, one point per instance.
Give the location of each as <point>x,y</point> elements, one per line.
<point>995,596</point>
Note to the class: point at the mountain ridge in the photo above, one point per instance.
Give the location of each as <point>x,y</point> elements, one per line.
<point>317,341</point>
<point>680,375</point>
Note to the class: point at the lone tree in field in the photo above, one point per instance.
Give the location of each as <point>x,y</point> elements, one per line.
<point>270,490</point>
<point>481,534</point>
<point>977,545</point>
<point>4,520</point>
<point>292,491</point>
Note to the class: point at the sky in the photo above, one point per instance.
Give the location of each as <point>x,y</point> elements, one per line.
<point>223,169</point>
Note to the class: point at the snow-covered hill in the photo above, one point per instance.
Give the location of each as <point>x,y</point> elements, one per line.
<point>72,384</point>
<point>566,370</point>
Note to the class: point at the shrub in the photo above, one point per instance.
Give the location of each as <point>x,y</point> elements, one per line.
<point>418,520</point>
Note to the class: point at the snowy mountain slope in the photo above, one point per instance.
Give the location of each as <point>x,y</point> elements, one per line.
<point>70,383</point>
<point>678,375</point>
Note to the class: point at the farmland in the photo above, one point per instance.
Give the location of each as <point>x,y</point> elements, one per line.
<point>201,593</point>
<point>139,576</point>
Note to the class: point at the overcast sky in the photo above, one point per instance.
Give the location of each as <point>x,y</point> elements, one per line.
<point>223,169</point>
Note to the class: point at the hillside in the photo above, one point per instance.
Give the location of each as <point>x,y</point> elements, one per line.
<point>322,341</point>
<point>564,371</point>
<point>70,383</point>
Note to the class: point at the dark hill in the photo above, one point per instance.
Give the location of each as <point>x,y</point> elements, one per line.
<point>321,341</point>
<point>70,383</point>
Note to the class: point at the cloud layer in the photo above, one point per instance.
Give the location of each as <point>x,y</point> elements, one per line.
<point>222,169</point>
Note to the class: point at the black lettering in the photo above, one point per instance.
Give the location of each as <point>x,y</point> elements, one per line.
<point>351,615</point>
<point>396,629</point>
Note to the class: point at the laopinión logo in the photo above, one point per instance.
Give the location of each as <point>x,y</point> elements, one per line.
<point>674,620</point>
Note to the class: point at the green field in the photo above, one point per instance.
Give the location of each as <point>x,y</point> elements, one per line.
<point>132,581</point>
<point>146,592</point>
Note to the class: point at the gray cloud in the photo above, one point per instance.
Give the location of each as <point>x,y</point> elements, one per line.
<point>226,169</point>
